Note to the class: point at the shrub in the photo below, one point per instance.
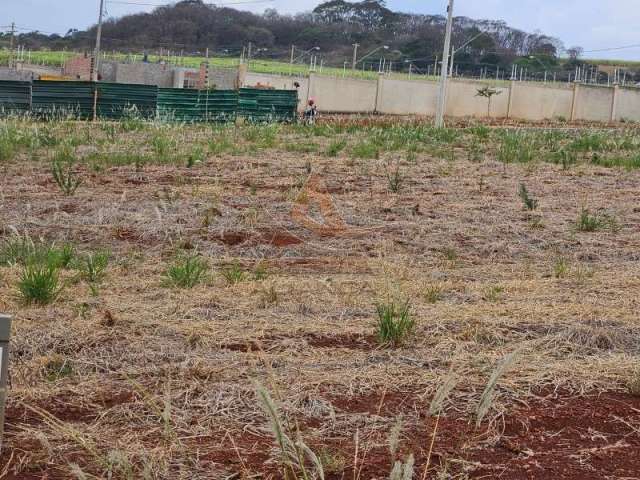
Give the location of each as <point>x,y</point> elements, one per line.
<point>93,266</point>
<point>587,222</point>
<point>561,267</point>
<point>365,150</point>
<point>493,294</point>
<point>233,274</point>
<point>39,284</point>
<point>187,272</point>
<point>260,272</point>
<point>394,324</point>
<point>7,148</point>
<point>433,293</point>
<point>395,178</point>
<point>195,156</point>
<point>529,203</point>
<point>335,147</point>
<point>62,171</point>
<point>22,250</point>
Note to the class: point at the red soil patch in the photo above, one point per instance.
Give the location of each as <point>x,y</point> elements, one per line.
<point>270,237</point>
<point>350,341</point>
<point>232,238</point>
<point>279,239</point>
<point>554,436</point>
<point>559,436</point>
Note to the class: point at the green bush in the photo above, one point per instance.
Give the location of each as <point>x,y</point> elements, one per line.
<point>335,147</point>
<point>93,266</point>
<point>365,149</point>
<point>39,284</point>
<point>187,272</point>
<point>22,250</point>
<point>394,324</point>
<point>62,171</point>
<point>233,274</point>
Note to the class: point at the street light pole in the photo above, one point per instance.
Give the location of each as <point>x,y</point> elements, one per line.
<point>96,56</point>
<point>355,55</point>
<point>13,32</point>
<point>444,70</point>
<point>456,50</point>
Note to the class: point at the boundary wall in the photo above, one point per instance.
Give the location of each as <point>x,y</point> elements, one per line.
<point>518,100</point>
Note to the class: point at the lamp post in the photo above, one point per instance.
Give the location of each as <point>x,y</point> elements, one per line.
<point>294,60</point>
<point>386,47</point>
<point>444,70</point>
<point>96,57</point>
<point>5,332</point>
<point>456,50</point>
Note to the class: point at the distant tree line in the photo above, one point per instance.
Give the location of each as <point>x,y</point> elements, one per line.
<point>191,26</point>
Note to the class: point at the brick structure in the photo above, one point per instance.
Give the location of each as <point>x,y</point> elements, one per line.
<point>203,76</point>
<point>78,68</point>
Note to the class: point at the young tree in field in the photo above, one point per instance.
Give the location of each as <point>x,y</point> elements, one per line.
<point>488,93</point>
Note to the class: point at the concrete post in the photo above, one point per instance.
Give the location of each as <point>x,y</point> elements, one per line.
<point>5,333</point>
<point>512,86</point>
<point>378,89</point>
<point>178,78</point>
<point>242,75</point>
<point>574,101</point>
<point>312,77</point>
<point>614,104</point>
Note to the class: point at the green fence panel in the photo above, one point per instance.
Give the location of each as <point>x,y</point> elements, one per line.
<point>15,97</point>
<point>120,100</point>
<point>183,105</point>
<point>51,99</point>
<point>261,105</point>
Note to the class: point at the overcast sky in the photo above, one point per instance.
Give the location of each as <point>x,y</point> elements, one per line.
<point>592,24</point>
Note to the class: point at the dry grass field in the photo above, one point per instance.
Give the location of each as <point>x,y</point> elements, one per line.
<point>356,300</point>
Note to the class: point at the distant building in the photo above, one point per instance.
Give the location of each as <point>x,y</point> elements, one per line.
<point>160,74</point>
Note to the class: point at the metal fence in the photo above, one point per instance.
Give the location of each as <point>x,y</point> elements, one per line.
<point>15,97</point>
<point>114,101</point>
<point>197,105</point>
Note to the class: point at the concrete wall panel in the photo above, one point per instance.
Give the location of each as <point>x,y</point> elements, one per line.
<point>344,95</point>
<point>628,104</point>
<point>538,102</point>
<point>403,97</point>
<point>462,100</point>
<point>145,74</point>
<point>593,103</point>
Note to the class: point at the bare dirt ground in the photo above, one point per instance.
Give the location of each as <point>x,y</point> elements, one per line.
<point>136,379</point>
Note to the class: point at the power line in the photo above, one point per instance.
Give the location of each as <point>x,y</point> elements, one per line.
<point>145,4</point>
<point>610,49</point>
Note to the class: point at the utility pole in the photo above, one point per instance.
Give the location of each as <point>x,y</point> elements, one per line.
<point>355,55</point>
<point>95,66</point>
<point>13,32</point>
<point>442,100</point>
<point>249,53</point>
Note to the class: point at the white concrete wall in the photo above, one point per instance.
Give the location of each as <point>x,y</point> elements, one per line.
<point>529,101</point>
<point>463,100</point>
<point>402,97</point>
<point>540,102</point>
<point>593,103</point>
<point>343,95</point>
<point>628,104</point>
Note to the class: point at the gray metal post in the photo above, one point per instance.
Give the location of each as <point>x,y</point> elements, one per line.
<point>5,333</point>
